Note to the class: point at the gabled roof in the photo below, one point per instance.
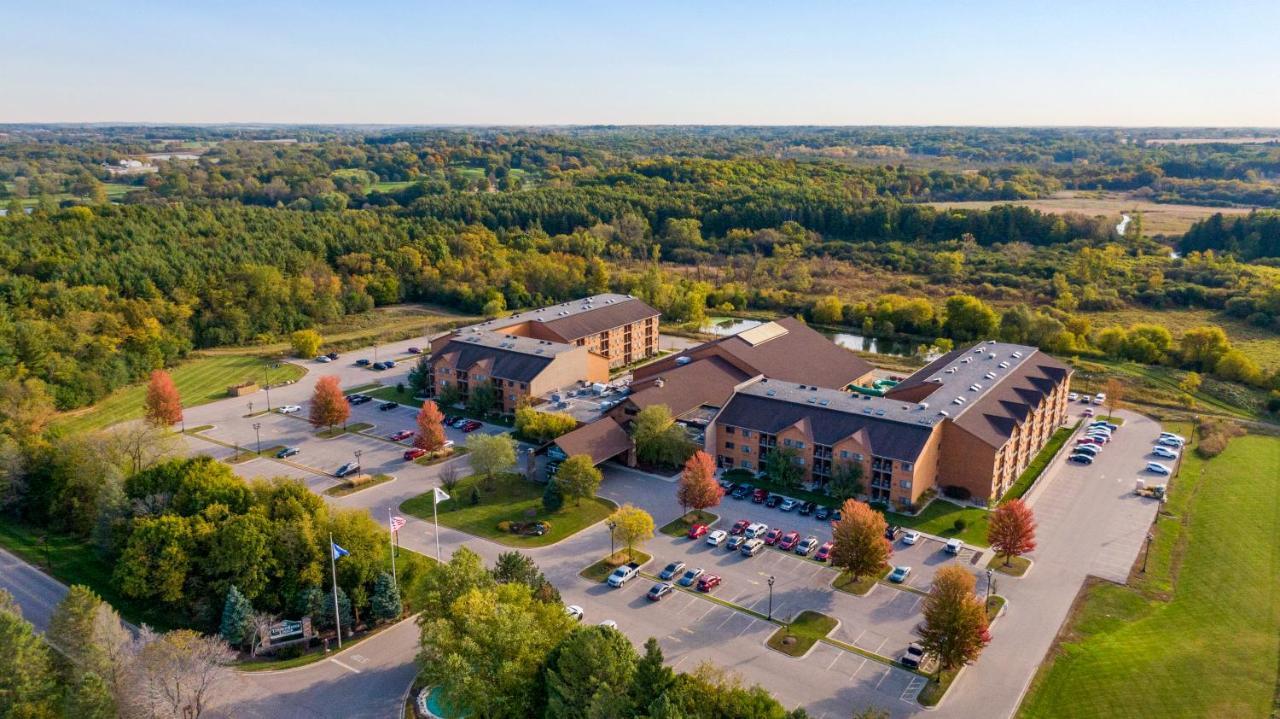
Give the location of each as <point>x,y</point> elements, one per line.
<point>708,381</point>
<point>577,319</point>
<point>599,440</point>
<point>498,359</point>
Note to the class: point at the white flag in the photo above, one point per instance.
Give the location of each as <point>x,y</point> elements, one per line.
<point>441,495</point>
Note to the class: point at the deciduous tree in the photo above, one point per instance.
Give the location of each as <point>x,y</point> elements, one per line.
<point>1012,530</point>
<point>179,669</point>
<point>782,467</point>
<point>1115,391</point>
<point>328,405</point>
<point>955,622</point>
<point>632,526</point>
<point>306,343</point>
<point>491,453</point>
<point>430,434</point>
<point>162,406</point>
<point>859,544</point>
<point>698,487</point>
<point>578,478</point>
<point>846,480</point>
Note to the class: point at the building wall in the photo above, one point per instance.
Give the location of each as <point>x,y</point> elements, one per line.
<point>566,369</point>
<point>625,344</point>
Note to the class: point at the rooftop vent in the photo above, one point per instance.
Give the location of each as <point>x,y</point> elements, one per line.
<point>771,392</point>
<point>824,402</point>
<point>990,375</point>
<point>991,356</point>
<point>923,405</point>
<point>1017,354</point>
<point>943,413</point>
<point>957,400</point>
<point>1004,365</point>
<point>879,413</point>
<point>975,387</point>
<point>977,349</point>
<point>951,370</point>
<point>866,410</point>
<point>659,382</point>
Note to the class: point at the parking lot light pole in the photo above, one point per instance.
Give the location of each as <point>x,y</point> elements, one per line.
<point>612,525</point>
<point>258,436</point>
<point>991,573</point>
<point>771,597</point>
<point>266,376</point>
<point>1147,554</point>
<point>358,453</point>
<point>251,409</point>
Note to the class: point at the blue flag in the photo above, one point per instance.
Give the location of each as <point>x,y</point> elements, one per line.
<point>338,552</point>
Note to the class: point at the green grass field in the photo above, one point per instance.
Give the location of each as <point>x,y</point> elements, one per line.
<point>1195,636</point>
<point>679,526</point>
<point>803,633</point>
<point>600,571</point>
<point>512,499</point>
<point>199,381</point>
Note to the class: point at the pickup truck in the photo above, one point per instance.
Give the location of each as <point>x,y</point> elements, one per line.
<point>623,574</point>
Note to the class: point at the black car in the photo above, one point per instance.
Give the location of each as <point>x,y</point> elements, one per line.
<point>388,364</point>
<point>362,363</point>
<point>344,470</point>
<point>835,515</point>
<point>332,355</point>
<point>359,398</point>
<point>822,512</point>
<point>807,508</point>
<point>448,420</point>
<point>387,406</point>
<point>741,491</point>
<point>378,366</point>
<point>892,531</point>
<point>773,501</point>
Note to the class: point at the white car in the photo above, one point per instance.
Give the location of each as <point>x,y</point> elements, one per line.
<point>954,546</point>
<point>1164,452</point>
<point>1073,397</point>
<point>1169,442</point>
<point>788,504</point>
<point>1158,468</point>
<point>1099,398</point>
<point>289,409</point>
<point>609,623</point>
<point>910,536</point>
<point>575,611</point>
<point>322,359</point>
<point>756,529</point>
<point>1171,435</point>
<point>717,537</point>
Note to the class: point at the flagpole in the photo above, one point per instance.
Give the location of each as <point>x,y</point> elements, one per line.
<point>333,565</point>
<point>435,518</point>
<point>391,540</point>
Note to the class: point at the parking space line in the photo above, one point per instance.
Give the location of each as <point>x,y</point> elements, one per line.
<point>726,620</point>
<point>854,673</point>
<point>834,659</point>
<point>883,677</point>
<point>747,628</point>
<point>710,609</point>
<point>880,646</point>
<point>908,695</point>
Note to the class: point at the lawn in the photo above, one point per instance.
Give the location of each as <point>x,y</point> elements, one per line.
<point>391,394</point>
<point>679,526</point>
<point>351,486</point>
<point>199,381</point>
<point>1036,468</point>
<point>1015,567</point>
<point>845,583</point>
<point>600,571</point>
<point>353,428</point>
<point>512,499</point>
<point>803,632</point>
<point>1196,635</point>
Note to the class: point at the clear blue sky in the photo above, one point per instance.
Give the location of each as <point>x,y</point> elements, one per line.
<point>553,62</point>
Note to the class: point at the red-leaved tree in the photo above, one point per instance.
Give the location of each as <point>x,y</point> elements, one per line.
<point>328,406</point>
<point>698,487</point>
<point>1012,530</point>
<point>163,406</point>
<point>430,428</point>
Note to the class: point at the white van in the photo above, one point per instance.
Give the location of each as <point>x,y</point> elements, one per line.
<point>954,546</point>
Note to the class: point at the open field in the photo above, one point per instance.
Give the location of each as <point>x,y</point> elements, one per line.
<point>383,324</point>
<point>1195,636</point>
<point>199,381</point>
<point>115,191</point>
<point>1157,218</point>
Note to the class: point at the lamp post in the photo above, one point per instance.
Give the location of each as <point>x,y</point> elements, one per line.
<point>358,453</point>
<point>612,525</point>
<point>991,573</point>
<point>251,408</point>
<point>771,597</point>
<point>1147,554</point>
<point>266,376</point>
<point>257,436</point>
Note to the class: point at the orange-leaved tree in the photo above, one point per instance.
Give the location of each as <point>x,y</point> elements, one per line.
<point>859,546</point>
<point>955,621</point>
<point>163,406</point>
<point>328,406</point>
<point>698,487</point>
<point>1011,530</point>
<point>430,428</point>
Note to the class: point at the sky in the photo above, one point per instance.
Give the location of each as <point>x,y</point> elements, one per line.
<point>902,62</point>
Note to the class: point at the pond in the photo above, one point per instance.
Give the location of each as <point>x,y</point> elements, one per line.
<point>726,326</point>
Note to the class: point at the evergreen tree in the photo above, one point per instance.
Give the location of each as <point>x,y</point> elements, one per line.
<point>385,604</point>
<point>27,683</point>
<point>310,603</point>
<point>237,618</point>
<point>552,497</point>
<point>344,611</point>
<point>653,677</point>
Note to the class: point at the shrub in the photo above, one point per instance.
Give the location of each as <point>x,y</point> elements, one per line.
<point>504,526</point>
<point>960,524</point>
<point>1215,435</point>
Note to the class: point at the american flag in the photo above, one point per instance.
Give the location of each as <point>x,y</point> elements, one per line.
<point>397,523</point>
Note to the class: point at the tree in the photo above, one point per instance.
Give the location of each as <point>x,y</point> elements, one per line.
<point>516,567</point>
<point>444,583</point>
<point>698,487</point>
<point>487,650</point>
<point>782,466</point>
<point>1115,391</point>
<point>969,318</point>
<point>449,395</point>
<point>552,497</point>
<point>653,677</point>
<point>27,683</point>
<point>237,619</point>
<point>828,310</point>
<point>179,669</point>
<point>420,376</point>
<point>586,663</point>
<point>659,440</point>
<point>860,547</point>
<point>1191,383</point>
<point>955,622</point>
<point>491,453</point>
<point>632,526</point>
<point>328,405</point>
<point>162,406</point>
<point>344,612</point>
<point>1202,347</point>
<point>542,426</point>
<point>430,436</point>
<point>1237,366</point>
<point>846,480</point>
<point>578,477</point>
<point>385,605</point>
<point>482,398</point>
<point>306,343</point>
<point>156,559</point>
<point>1012,530</point>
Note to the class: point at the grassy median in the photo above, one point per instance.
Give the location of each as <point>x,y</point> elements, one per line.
<point>679,526</point>
<point>796,638</point>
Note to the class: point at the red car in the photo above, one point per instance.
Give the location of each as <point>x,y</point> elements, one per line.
<point>470,426</point>
<point>740,526</point>
<point>708,582</point>
<point>412,454</point>
<point>824,552</point>
<point>772,537</point>
<point>759,496</point>
<point>401,435</point>
<point>697,530</point>
<point>789,541</point>
<point>1089,440</point>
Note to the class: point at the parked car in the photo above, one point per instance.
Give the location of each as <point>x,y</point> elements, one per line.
<point>755,530</point>
<point>471,425</point>
<point>670,571</point>
<point>388,363</point>
<point>287,452</point>
<point>401,435</point>
<point>362,362</point>
<point>415,350</point>
<point>1158,468</point>
<point>659,591</point>
<point>788,504</point>
<point>892,531</point>
<point>735,543</point>
<point>773,501</point>
<point>609,623</point>
<point>954,546</point>
<point>772,537</point>
<point>1089,440</point>
<point>323,359</point>
<point>1081,458</point>
<point>289,409</point>
<point>759,495</point>
<point>717,537</point>
<point>789,541</point>
<point>899,574</point>
<point>690,576</point>
<point>575,611</point>
<point>413,453</point>
<point>697,530</point>
<point>752,547</point>
<point>1099,438</point>
<point>387,406</point>
<point>1169,442</point>
<point>1103,423</point>
<point>1088,413</point>
<point>708,582</point>
<point>378,366</point>
<point>1086,398</point>
<point>357,399</point>
<point>1099,398</point>
<point>807,508</point>
<point>807,545</point>
<point>741,491</point>
<point>913,657</point>
<point>1171,435</point>
<point>624,574</point>
<point>910,536</point>
<point>822,512</point>
<point>1090,449</point>
<point>1164,452</point>
<point>344,470</point>
<point>333,356</point>
<point>740,526</point>
<point>824,552</point>
<point>1074,396</point>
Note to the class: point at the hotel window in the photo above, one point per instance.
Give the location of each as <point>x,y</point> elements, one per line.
<point>905,484</point>
<point>746,434</point>
<point>746,464</point>
<point>799,444</point>
<point>906,466</point>
<point>746,449</point>
<point>728,430</point>
<point>857,457</point>
<point>443,370</point>
<point>728,445</point>
<point>444,383</point>
<point>844,454</point>
<point>786,443</point>
<point>800,461</point>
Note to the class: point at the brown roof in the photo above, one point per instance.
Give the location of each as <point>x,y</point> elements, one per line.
<point>600,319</point>
<point>995,415</point>
<point>708,381</point>
<point>599,440</point>
<point>800,354</point>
